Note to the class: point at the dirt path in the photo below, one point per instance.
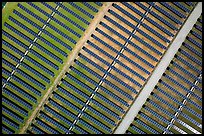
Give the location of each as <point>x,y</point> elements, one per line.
<point>72,56</point>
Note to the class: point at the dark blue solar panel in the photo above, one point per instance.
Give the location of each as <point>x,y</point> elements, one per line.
<point>25,94</point>
<point>98,3</point>
<point>168,15</point>
<point>197,35</point>
<point>181,6</point>
<point>39,65</point>
<point>73,13</point>
<point>198,27</point>
<point>115,96</point>
<point>50,120</point>
<point>31,13</point>
<point>97,122</point>
<point>79,92</point>
<point>10,113</point>
<point>64,35</point>
<point>121,36</point>
<point>80,130</point>
<point>66,102</point>
<point>136,37</point>
<point>31,79</point>
<point>164,21</point>
<point>53,46</point>
<point>14,106</point>
<point>65,111</point>
<point>42,124</point>
<point>10,123</point>
<point>49,53</point>
<point>10,56</point>
<point>4,129</point>
<point>110,102</point>
<point>189,64</point>
<point>191,119</point>
<point>46,61</point>
<point>17,98</point>
<point>188,46</point>
<point>184,79</point>
<point>65,92</point>
<point>187,72</point>
<point>129,78</point>
<point>12,47</point>
<point>137,130</point>
<point>71,21</point>
<point>83,85</point>
<point>85,124</point>
<point>191,57</point>
<point>161,109</point>
<point>8,64</point>
<point>190,3</point>
<point>194,42</point>
<point>35,72</point>
<point>57,115</point>
<point>153,122</point>
<point>105,118</point>
<point>147,127</point>
<point>36,130</point>
<point>82,10</point>
<point>89,6</point>
<point>19,33</point>
<point>174,10</point>
<point>28,86</point>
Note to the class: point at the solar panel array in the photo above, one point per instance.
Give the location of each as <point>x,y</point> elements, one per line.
<point>36,40</point>
<point>175,104</point>
<point>92,98</point>
<point>108,73</point>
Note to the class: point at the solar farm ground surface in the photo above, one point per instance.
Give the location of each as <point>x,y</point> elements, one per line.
<point>77,67</point>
